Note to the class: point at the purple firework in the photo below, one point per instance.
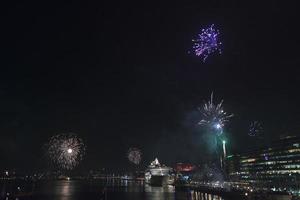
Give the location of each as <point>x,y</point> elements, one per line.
<point>255,129</point>
<point>207,42</point>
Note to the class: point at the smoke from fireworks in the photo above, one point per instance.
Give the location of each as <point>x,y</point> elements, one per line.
<point>213,116</point>
<point>134,155</point>
<point>255,129</point>
<point>66,150</point>
<point>207,42</point>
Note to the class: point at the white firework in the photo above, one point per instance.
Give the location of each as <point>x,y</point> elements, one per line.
<point>134,155</point>
<point>66,150</point>
<point>213,116</point>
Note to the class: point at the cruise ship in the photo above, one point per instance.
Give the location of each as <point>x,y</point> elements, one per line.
<point>159,175</point>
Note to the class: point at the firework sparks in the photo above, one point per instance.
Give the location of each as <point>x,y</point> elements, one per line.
<point>207,42</point>
<point>65,150</point>
<point>214,116</point>
<point>134,155</point>
<point>255,129</point>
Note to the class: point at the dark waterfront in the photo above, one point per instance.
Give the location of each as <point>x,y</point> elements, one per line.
<point>81,190</point>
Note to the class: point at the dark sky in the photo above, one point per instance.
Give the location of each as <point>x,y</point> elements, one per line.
<point>119,75</point>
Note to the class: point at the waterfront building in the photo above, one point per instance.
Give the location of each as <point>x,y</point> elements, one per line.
<point>184,167</point>
<point>184,171</point>
<point>275,167</point>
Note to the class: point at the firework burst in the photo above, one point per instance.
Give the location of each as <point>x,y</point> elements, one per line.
<point>213,116</point>
<point>134,155</point>
<point>255,129</point>
<point>207,42</point>
<point>65,150</point>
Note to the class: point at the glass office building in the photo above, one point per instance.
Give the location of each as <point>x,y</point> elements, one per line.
<point>276,167</point>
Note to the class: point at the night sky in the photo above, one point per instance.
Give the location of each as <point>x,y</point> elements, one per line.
<point>120,75</point>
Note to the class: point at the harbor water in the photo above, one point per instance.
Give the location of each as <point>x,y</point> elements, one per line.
<point>110,190</point>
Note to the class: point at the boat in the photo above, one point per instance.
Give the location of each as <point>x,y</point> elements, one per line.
<point>159,175</point>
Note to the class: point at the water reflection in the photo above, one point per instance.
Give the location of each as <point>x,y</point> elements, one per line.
<point>58,190</point>
<point>156,193</point>
<point>125,190</point>
<point>169,193</point>
<point>195,195</point>
<point>65,191</point>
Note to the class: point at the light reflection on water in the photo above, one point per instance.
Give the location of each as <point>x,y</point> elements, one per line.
<point>204,196</point>
<point>65,190</point>
<point>156,193</point>
<point>58,190</point>
<point>125,190</point>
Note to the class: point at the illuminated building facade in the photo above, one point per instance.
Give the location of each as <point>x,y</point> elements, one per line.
<point>277,166</point>
<point>184,167</point>
<point>184,172</point>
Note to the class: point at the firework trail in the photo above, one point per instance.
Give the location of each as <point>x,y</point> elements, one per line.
<point>207,42</point>
<point>255,129</point>
<point>65,150</point>
<point>134,155</point>
<point>213,116</point>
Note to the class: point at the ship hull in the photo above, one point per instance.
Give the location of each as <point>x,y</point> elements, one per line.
<point>156,180</point>
<point>160,180</point>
